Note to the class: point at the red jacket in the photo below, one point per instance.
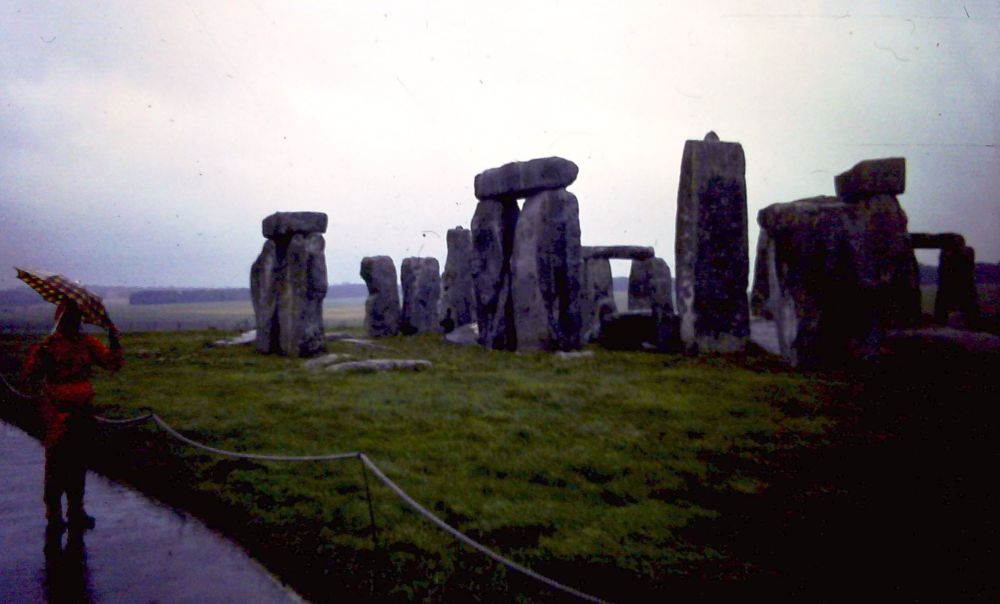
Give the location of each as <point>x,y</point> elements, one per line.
<point>64,367</point>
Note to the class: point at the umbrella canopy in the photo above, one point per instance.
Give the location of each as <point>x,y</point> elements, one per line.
<point>56,288</point>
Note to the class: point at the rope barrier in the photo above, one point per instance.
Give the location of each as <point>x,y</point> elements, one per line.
<point>367,463</point>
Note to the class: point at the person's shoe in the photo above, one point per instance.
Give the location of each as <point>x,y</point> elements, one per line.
<point>81,520</point>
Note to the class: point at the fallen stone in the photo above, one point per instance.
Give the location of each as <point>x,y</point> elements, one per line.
<point>839,275</point>
<point>493,227</point>
<point>363,343</point>
<point>326,359</point>
<point>421,282</point>
<point>382,310</point>
<point>463,335</point>
<point>284,224</point>
<point>380,365</point>
<point>712,252</point>
<point>524,179</point>
<point>547,273</point>
<point>334,336</point>
<point>247,337</point>
<point>617,252</point>
<point>574,355</point>
<point>458,292</point>
<point>872,177</point>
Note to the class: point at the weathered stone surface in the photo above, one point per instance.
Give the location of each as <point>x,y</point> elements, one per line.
<point>839,275</point>
<point>421,280</point>
<point>547,273</point>
<point>872,177</point>
<point>617,252</point>
<point>264,295</point>
<point>379,365</point>
<point>936,241</point>
<point>284,224</point>
<point>574,355</point>
<point>525,178</point>
<point>759,292</point>
<point>287,286</point>
<point>493,227</point>
<point>247,337</point>
<point>598,293</point>
<point>712,252</point>
<point>956,292</point>
<point>326,360</point>
<point>458,293</point>
<point>649,279</point>
<point>302,286</point>
<point>382,310</point>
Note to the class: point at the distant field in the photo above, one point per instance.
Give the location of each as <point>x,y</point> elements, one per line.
<point>337,312</point>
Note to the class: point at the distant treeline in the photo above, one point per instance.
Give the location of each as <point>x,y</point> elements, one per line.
<point>229,294</point>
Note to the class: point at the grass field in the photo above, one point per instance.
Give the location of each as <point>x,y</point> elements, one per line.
<point>594,470</point>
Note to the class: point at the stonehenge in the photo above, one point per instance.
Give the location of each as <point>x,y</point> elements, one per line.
<point>382,309</point>
<point>840,271</point>
<point>834,273</point>
<point>956,292</point>
<point>527,263</point>
<point>458,292</point>
<point>421,283</point>
<point>712,254</point>
<point>288,284</point>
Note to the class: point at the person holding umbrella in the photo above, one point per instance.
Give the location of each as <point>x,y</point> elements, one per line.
<point>62,365</point>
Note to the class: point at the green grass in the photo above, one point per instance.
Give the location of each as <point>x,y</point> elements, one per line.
<point>586,468</point>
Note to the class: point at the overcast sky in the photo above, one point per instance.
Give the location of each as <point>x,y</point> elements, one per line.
<point>143,143</point>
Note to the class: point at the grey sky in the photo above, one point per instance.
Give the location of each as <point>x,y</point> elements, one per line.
<point>142,143</point>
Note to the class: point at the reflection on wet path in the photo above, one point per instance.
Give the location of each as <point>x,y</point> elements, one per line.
<point>140,551</point>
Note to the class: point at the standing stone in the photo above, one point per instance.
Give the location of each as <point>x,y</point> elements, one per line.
<point>598,293</point>
<point>288,283</point>
<point>493,227</point>
<point>458,295</point>
<point>421,294</point>
<point>759,291</point>
<point>648,279</point>
<point>264,295</point>
<point>547,272</point>
<point>712,252</point>
<point>382,305</point>
<point>300,297</point>
<point>957,285</point>
<point>840,274</point>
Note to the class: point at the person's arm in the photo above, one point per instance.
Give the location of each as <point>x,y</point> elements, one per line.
<point>111,359</point>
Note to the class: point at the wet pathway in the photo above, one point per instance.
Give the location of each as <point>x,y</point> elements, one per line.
<point>141,551</point>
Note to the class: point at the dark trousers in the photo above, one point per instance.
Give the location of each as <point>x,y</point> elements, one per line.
<point>66,467</point>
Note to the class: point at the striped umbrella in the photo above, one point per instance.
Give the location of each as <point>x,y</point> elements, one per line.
<point>56,288</point>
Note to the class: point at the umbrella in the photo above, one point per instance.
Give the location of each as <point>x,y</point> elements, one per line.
<point>56,288</point>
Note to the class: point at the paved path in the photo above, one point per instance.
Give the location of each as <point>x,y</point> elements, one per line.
<point>141,551</point>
